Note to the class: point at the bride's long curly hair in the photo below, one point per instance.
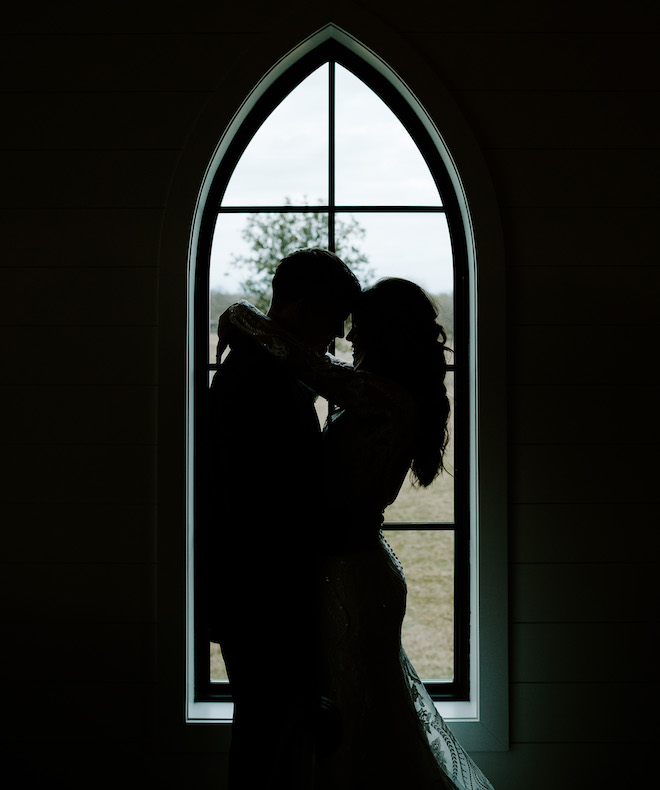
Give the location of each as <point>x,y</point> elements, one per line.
<point>400,319</point>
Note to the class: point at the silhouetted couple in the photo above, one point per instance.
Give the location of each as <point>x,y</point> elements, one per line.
<point>306,597</point>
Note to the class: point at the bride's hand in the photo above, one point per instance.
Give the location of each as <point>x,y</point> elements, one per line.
<point>226,331</point>
<point>237,324</point>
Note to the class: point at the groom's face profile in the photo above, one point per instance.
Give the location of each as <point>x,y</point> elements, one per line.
<point>321,324</point>
<point>313,293</point>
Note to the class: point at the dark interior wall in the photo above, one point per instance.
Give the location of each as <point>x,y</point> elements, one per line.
<point>98,110</point>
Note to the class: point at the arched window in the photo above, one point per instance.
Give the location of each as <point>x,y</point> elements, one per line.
<point>332,154</point>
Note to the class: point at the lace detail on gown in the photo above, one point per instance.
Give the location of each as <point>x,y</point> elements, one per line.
<point>394,738</point>
<point>449,754</point>
<point>453,758</point>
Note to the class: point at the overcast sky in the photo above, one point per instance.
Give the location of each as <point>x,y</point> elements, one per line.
<point>376,164</point>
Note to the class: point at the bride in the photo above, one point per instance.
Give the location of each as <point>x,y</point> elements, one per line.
<point>391,417</point>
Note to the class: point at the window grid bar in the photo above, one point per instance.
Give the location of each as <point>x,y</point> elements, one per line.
<point>332,242</point>
<point>215,366</point>
<point>413,526</point>
<point>331,208</point>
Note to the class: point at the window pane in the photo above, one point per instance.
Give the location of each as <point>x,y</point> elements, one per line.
<point>245,251</point>
<point>288,156</point>
<point>234,259</point>
<point>412,245</point>
<point>224,278</point>
<point>427,557</point>
<point>377,162</point>
<point>436,502</point>
<point>218,669</point>
<point>228,244</point>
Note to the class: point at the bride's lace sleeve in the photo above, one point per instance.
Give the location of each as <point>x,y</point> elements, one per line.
<point>338,381</point>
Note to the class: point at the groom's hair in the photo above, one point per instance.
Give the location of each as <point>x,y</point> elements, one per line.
<point>317,275</point>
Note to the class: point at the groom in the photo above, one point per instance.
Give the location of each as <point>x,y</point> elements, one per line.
<point>267,488</point>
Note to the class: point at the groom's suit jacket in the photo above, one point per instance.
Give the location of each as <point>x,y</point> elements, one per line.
<point>265,521</point>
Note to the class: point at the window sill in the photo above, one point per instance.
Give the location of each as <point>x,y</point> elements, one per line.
<point>462,717</point>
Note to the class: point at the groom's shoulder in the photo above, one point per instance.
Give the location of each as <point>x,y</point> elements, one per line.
<point>248,371</point>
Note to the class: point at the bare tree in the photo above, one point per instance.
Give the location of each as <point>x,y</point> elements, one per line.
<point>272,237</point>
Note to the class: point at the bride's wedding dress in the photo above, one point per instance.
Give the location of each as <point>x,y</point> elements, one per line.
<point>393,737</point>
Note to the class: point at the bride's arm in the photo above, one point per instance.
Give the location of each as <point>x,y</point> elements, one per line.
<point>336,380</point>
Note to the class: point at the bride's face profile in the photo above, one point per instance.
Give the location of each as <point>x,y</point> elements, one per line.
<point>353,338</point>
<point>370,347</point>
<point>390,320</point>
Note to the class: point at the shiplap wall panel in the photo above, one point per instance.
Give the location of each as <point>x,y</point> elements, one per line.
<point>79,296</point>
<point>424,15</point>
<point>89,238</point>
<point>516,16</point>
<point>584,652</point>
<point>114,474</point>
<point>580,712</point>
<point>614,295</point>
<point>584,531</point>
<point>79,532</point>
<point>547,766</point>
<point>580,354</point>
<point>87,178</point>
<point>116,652</point>
<point>129,63</point>
<point>563,413</point>
<point>592,236</point>
<point>576,177</point>
<point>95,713</point>
<point>80,415</point>
<point>541,61</point>
<point>562,119</point>
<point>102,355</point>
<point>581,473</point>
<point>78,592</point>
<point>582,592</point>
<point>71,120</point>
